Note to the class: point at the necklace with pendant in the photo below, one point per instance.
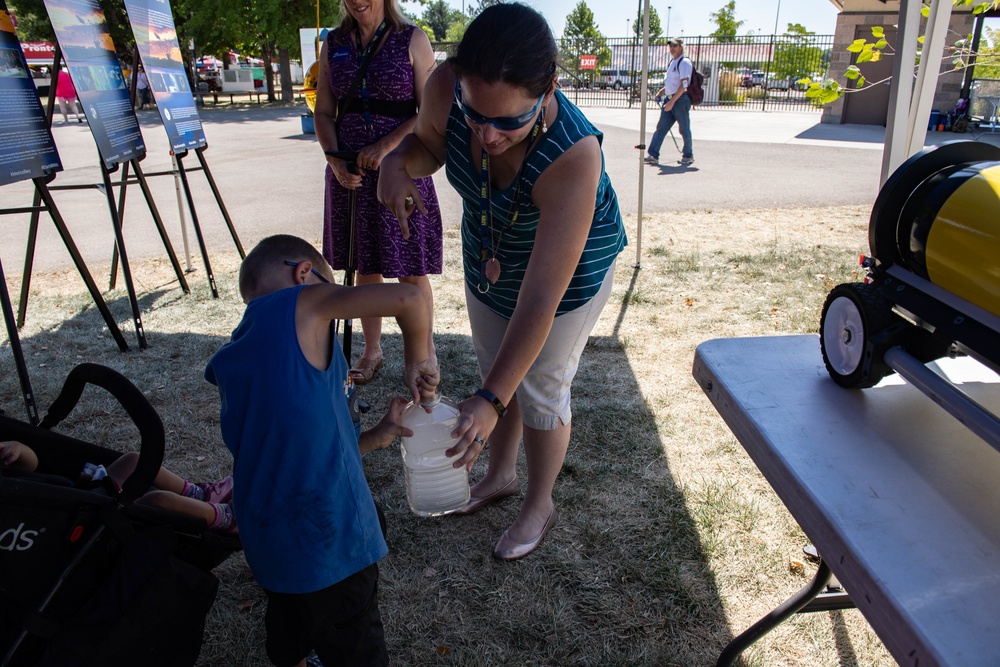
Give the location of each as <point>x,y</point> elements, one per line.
<point>489,267</point>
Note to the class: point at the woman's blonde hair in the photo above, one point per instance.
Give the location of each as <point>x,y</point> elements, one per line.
<point>393,16</point>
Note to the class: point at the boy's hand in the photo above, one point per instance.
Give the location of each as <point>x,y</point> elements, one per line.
<point>382,434</point>
<point>422,380</point>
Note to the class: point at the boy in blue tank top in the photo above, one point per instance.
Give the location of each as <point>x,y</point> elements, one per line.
<point>310,530</point>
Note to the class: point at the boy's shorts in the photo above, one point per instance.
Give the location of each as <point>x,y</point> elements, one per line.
<point>341,623</point>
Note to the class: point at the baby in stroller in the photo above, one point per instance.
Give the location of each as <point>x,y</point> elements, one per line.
<point>207,501</point>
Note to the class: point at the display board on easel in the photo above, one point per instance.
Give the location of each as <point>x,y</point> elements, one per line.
<point>156,40</point>
<point>26,146</point>
<point>82,32</point>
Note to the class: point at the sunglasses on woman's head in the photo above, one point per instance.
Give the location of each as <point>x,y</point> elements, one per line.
<point>502,123</point>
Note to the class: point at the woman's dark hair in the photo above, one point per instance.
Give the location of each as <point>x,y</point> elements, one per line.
<point>509,43</point>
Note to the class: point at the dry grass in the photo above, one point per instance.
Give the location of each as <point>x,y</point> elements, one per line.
<point>669,541</point>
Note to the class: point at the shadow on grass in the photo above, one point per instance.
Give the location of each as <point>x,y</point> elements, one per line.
<point>622,579</point>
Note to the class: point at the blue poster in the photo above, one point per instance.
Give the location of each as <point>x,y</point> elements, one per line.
<point>26,146</point>
<point>82,32</point>
<point>156,38</point>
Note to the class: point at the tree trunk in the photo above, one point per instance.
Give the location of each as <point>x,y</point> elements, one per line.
<point>268,72</point>
<point>285,69</point>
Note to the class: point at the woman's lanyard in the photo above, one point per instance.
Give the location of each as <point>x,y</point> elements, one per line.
<point>363,54</point>
<point>489,267</point>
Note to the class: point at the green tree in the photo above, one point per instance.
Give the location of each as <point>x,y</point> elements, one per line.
<point>437,16</point>
<point>456,28</point>
<point>581,37</point>
<point>32,21</point>
<point>796,54</point>
<point>988,56</point>
<point>655,31</point>
<point>483,4</point>
<point>726,25</point>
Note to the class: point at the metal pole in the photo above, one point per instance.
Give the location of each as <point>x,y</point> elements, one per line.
<point>668,21</point>
<point>776,14</point>
<point>180,210</point>
<point>642,130</point>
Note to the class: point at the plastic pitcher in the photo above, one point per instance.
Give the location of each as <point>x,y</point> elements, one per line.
<point>433,485</point>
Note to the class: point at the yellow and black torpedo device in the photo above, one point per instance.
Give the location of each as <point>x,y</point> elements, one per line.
<point>933,283</point>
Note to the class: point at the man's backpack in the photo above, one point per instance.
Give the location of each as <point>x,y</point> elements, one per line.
<point>695,90</point>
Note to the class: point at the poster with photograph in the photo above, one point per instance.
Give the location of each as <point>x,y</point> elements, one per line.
<point>82,32</point>
<point>26,146</point>
<point>156,38</point>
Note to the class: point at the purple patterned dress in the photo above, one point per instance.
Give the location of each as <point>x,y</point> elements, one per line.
<point>378,242</point>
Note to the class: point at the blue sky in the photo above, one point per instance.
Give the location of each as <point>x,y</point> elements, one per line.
<point>687,17</point>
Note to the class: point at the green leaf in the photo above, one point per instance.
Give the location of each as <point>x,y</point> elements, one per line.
<point>860,82</point>
<point>866,56</point>
<point>920,40</point>
<point>925,11</point>
<point>856,46</point>
<point>878,31</point>
<point>852,72</point>
<point>876,56</point>
<point>805,82</point>
<point>881,44</point>
<point>829,96</point>
<point>814,90</point>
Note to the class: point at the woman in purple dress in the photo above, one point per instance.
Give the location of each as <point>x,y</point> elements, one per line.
<point>379,111</point>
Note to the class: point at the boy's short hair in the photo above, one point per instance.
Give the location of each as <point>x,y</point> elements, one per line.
<point>271,253</point>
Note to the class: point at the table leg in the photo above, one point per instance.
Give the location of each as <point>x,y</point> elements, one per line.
<point>776,617</point>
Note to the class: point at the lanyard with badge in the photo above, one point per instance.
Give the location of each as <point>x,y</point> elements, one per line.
<point>363,54</point>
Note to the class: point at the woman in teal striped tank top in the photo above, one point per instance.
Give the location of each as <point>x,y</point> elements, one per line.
<point>541,231</point>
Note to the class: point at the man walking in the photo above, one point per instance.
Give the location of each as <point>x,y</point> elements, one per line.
<point>676,105</point>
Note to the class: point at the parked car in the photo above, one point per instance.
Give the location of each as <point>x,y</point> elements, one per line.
<point>774,83</point>
<point>567,80</point>
<point>614,78</point>
<point>756,78</point>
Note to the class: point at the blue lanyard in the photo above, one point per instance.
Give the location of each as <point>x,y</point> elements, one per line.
<point>489,267</point>
<point>363,55</point>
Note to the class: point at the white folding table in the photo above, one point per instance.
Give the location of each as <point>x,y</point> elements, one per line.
<point>901,500</point>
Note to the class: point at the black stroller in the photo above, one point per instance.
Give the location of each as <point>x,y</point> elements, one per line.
<point>86,576</point>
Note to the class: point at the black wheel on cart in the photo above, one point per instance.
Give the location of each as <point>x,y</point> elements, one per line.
<point>852,315</point>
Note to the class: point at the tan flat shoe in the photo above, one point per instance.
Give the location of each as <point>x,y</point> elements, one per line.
<point>508,549</point>
<point>511,488</point>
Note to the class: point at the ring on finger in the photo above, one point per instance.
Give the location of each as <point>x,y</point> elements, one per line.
<point>479,440</point>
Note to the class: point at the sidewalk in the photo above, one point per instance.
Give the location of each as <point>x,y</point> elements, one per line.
<point>775,127</point>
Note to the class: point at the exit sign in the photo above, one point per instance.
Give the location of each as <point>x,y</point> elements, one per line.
<point>588,62</point>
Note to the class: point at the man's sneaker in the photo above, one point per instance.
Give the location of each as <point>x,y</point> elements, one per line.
<point>686,161</point>
<point>652,160</point>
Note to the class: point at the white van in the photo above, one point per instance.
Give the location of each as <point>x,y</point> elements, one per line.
<point>614,78</point>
